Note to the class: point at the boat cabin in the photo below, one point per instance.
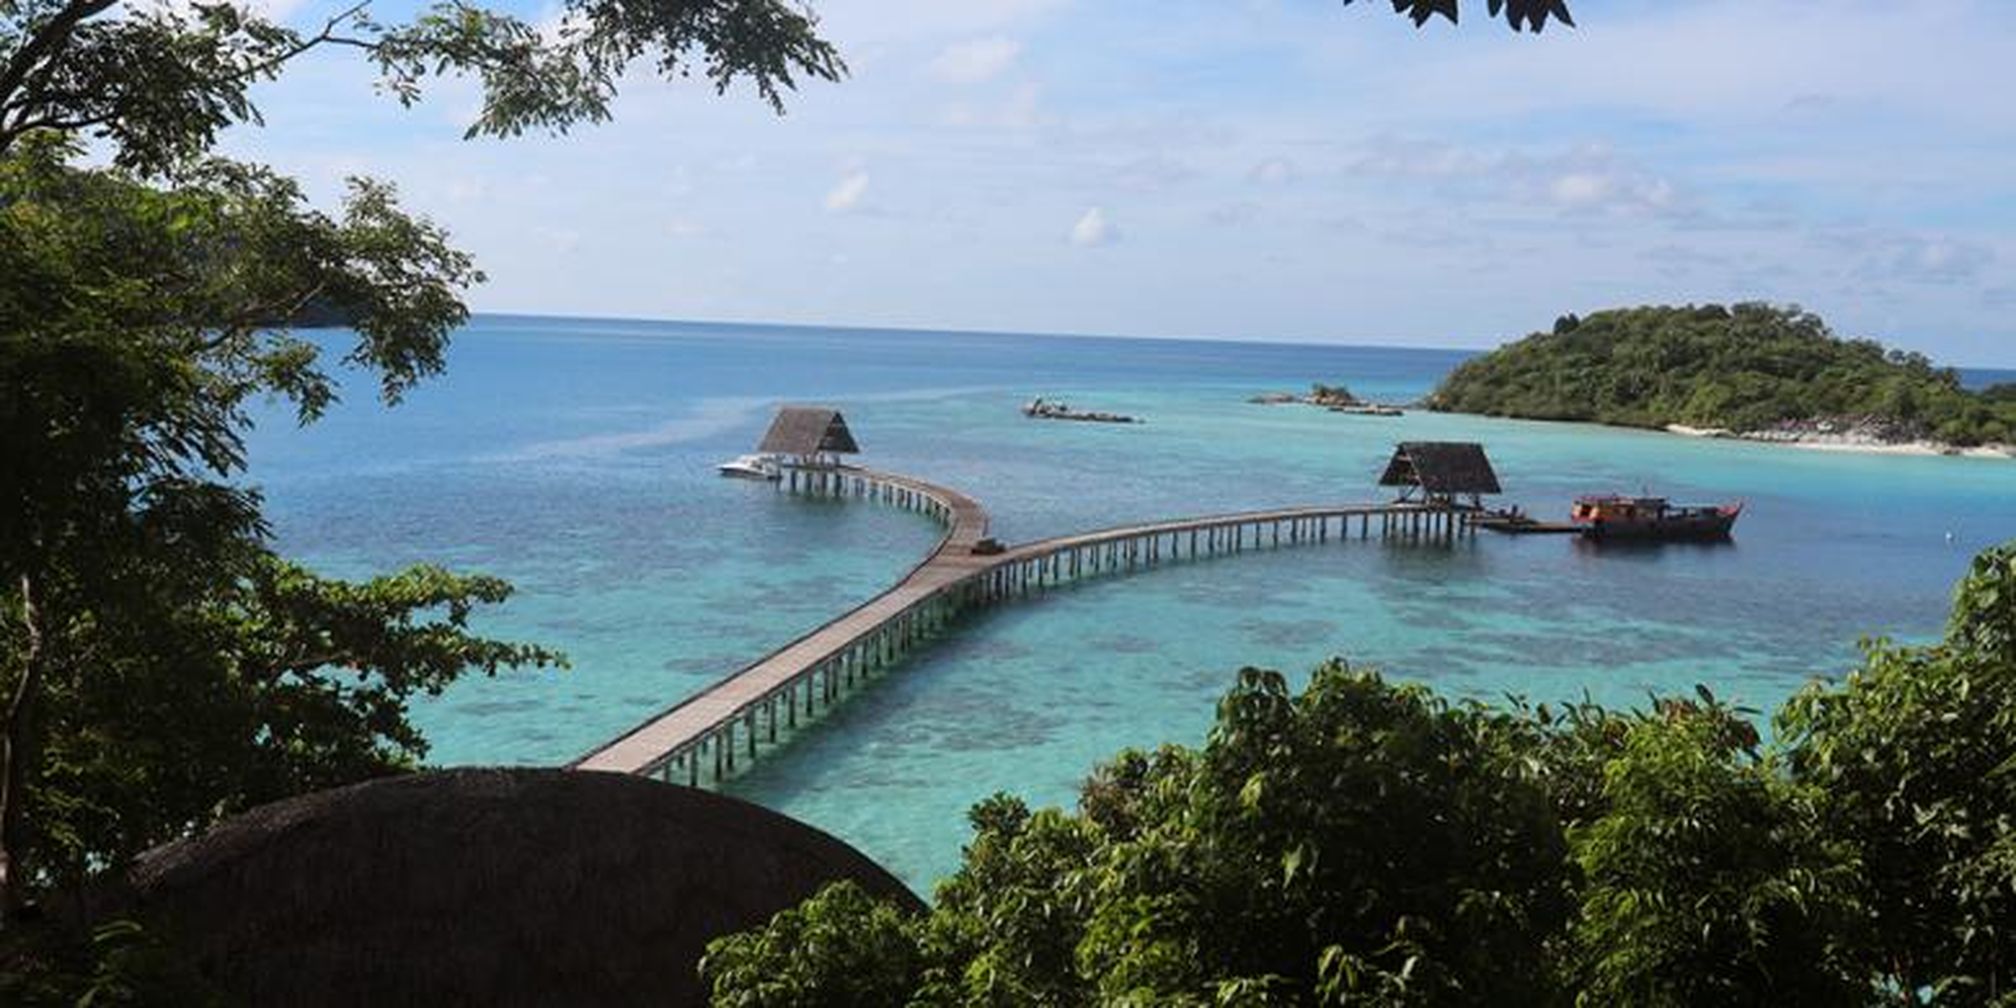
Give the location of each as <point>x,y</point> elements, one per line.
<point>1616,507</point>
<point>809,437</point>
<point>1618,515</point>
<point>1449,474</point>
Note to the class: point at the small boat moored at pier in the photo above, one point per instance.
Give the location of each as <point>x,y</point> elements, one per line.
<point>1615,516</point>
<point>757,467</point>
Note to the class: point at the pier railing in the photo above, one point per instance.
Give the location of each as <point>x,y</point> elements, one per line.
<point>698,739</point>
<point>793,683</point>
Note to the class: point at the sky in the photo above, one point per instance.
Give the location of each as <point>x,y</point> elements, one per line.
<point>1290,170</point>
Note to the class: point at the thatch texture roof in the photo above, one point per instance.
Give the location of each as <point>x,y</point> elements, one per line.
<point>808,430</point>
<point>483,887</point>
<point>1441,467</point>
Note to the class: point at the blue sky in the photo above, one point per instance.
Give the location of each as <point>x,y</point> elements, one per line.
<point>1250,169</point>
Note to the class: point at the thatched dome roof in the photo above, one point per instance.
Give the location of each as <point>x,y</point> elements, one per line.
<point>487,887</point>
<point>1441,467</point>
<point>808,430</point>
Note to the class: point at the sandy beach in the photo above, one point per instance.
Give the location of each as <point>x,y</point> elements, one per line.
<point>1848,442</point>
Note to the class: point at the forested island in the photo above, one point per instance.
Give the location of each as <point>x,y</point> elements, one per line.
<point>1748,370</point>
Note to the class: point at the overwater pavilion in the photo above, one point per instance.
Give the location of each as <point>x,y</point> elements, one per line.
<point>809,437</point>
<point>1444,474</point>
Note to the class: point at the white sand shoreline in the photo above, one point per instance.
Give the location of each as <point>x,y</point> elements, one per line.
<point>1847,442</point>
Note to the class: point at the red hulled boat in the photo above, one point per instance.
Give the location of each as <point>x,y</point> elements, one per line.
<point>1615,516</point>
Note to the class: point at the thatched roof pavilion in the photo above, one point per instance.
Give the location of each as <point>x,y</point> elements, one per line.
<point>1441,471</point>
<point>808,432</point>
<point>483,887</point>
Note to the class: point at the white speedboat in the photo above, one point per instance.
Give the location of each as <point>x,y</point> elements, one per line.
<point>756,467</point>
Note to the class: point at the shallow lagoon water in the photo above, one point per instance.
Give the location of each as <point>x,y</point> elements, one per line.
<point>575,457</point>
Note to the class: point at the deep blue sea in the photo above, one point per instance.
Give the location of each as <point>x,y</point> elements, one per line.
<point>575,458</point>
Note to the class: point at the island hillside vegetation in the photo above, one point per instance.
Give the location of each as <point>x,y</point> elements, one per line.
<point>1744,368</point>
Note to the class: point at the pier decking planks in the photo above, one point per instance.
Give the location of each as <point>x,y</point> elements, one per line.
<point>951,578</point>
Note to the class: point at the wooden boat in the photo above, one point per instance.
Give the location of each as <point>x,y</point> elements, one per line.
<point>1615,516</point>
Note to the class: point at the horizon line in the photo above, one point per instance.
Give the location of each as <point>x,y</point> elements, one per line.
<point>958,331</point>
<point>1271,341</point>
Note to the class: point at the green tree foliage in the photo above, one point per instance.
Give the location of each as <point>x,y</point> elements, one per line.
<point>1706,879</point>
<point>1365,838</point>
<point>159,82</point>
<point>1362,842</point>
<point>161,666</point>
<point>865,955</point>
<point>1914,757</point>
<point>1529,14</point>
<point>1746,367</point>
<point>1355,840</point>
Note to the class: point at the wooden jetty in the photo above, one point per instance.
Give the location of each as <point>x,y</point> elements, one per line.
<point>812,672</point>
<point>1513,523</point>
<point>699,739</point>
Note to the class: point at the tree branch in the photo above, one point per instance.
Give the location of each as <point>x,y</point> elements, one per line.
<point>16,752</point>
<point>326,35</point>
<point>44,44</point>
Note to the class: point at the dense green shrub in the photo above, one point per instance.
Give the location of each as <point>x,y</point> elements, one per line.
<point>1367,842</point>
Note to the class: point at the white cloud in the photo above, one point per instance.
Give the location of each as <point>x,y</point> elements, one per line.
<point>1020,111</point>
<point>1586,178</point>
<point>1417,158</point>
<point>1273,171</point>
<point>975,61</point>
<point>276,11</point>
<point>1233,214</point>
<point>887,22</point>
<point>1944,260</point>
<point>847,194</point>
<point>1908,257</point>
<point>1094,229</point>
<point>561,240</point>
<point>1612,189</point>
<point>1580,189</point>
<point>1874,129</point>
<point>1154,171</point>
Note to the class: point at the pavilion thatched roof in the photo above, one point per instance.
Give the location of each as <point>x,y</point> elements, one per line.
<point>808,430</point>
<point>1442,467</point>
<point>483,886</point>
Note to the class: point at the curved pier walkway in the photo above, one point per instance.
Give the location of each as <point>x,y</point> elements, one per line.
<point>767,701</point>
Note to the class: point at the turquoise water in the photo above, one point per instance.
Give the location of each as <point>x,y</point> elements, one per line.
<point>576,459</point>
